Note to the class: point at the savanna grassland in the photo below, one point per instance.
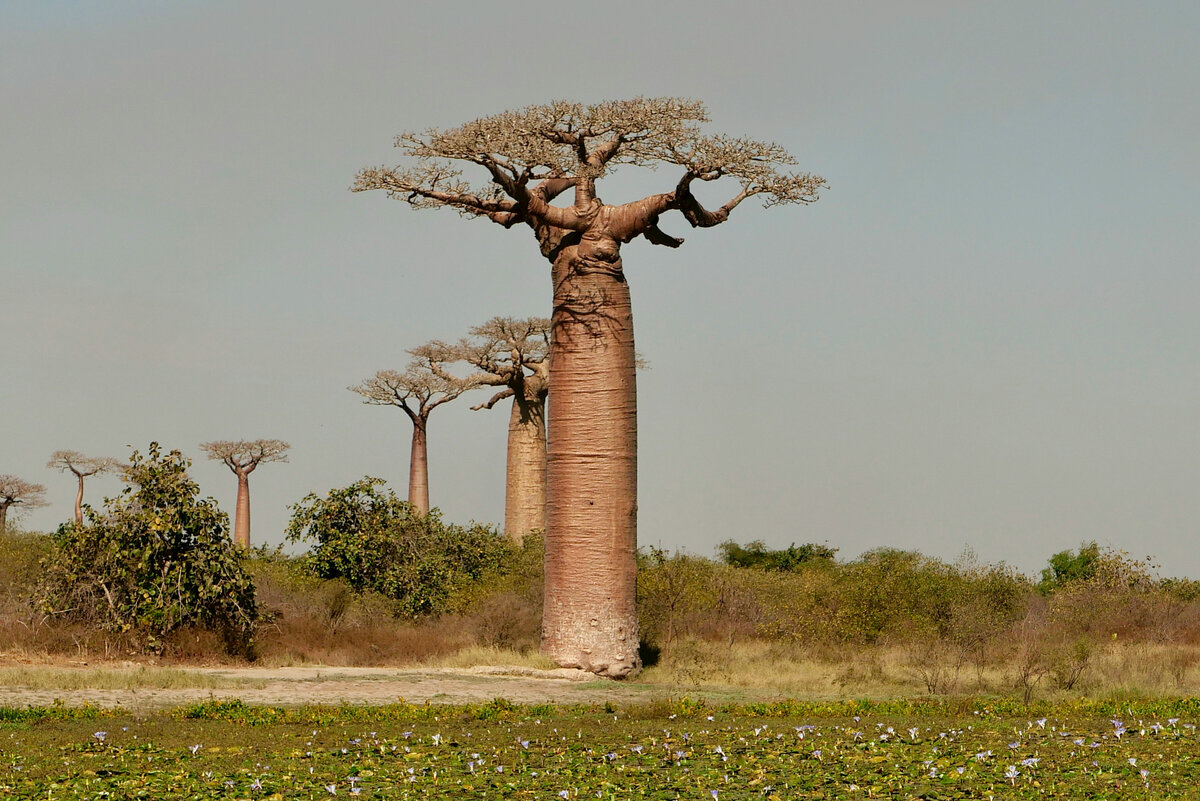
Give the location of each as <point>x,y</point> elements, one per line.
<point>890,675</point>
<point>796,623</point>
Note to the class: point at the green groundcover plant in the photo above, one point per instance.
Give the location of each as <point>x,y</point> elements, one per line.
<point>664,750</point>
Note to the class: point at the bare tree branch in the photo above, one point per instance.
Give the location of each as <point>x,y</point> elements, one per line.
<point>507,392</point>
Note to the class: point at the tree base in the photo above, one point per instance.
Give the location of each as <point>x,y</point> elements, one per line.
<point>612,653</point>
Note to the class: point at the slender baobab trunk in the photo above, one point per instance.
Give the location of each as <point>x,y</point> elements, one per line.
<point>241,524</point>
<point>79,501</point>
<point>3,516</point>
<point>525,484</point>
<point>589,619</point>
<point>418,468</point>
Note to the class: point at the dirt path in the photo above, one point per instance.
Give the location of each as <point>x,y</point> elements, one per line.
<point>337,685</point>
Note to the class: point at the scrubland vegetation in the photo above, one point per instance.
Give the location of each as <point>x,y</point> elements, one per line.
<point>381,584</point>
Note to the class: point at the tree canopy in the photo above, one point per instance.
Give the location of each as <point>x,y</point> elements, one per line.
<point>81,467</point>
<point>534,153</point>
<point>244,455</point>
<point>19,493</point>
<point>75,462</point>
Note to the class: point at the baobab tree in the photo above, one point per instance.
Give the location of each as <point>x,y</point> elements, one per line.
<point>514,354</point>
<point>243,457</point>
<point>20,493</point>
<point>422,387</point>
<point>529,157</point>
<point>81,467</point>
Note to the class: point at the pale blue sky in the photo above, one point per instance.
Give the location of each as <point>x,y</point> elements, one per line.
<point>984,335</point>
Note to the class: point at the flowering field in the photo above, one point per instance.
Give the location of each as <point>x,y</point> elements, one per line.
<point>667,750</point>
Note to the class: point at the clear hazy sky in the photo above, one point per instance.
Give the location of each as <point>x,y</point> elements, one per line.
<point>985,334</point>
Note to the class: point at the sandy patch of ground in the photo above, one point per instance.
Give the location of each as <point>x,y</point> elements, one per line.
<point>356,685</point>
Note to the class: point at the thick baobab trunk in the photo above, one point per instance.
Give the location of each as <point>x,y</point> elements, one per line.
<point>589,619</point>
<point>418,468</point>
<point>525,484</point>
<point>241,521</point>
<point>79,501</point>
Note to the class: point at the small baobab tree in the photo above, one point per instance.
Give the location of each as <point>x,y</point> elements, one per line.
<point>514,354</point>
<point>422,387</point>
<point>81,467</point>
<point>243,456</point>
<point>528,158</point>
<point>19,493</point>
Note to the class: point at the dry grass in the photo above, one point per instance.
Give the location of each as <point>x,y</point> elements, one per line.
<point>141,677</point>
<point>892,672</point>
<point>476,655</point>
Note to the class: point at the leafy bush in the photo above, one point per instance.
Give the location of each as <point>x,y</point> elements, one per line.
<point>1066,567</point>
<point>157,559</point>
<point>757,554</point>
<point>364,534</point>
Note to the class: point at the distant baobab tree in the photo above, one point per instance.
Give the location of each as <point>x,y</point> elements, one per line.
<point>514,354</point>
<point>81,466</point>
<point>529,157</point>
<point>19,493</point>
<point>242,457</point>
<point>422,387</point>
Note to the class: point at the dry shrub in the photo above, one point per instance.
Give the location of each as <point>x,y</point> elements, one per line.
<point>1180,662</point>
<point>856,673</point>
<point>194,645</point>
<point>322,621</point>
<point>390,641</point>
<point>936,663</point>
<point>59,641</point>
<point>20,554</point>
<point>506,620</point>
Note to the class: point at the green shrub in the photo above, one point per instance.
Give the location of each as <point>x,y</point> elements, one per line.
<point>1067,567</point>
<point>757,554</point>
<point>364,534</point>
<point>157,559</point>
